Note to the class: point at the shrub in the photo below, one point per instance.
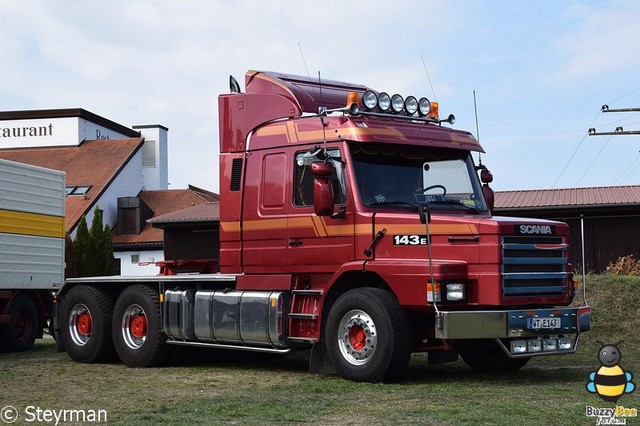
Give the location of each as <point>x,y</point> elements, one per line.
<point>625,265</point>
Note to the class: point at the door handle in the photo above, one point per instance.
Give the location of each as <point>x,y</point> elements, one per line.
<point>295,243</point>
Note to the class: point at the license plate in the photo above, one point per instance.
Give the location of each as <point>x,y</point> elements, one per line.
<point>544,323</point>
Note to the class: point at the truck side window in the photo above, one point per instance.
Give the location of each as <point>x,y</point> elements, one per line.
<point>303,188</point>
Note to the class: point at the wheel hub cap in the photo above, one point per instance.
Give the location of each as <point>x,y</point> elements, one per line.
<point>357,337</point>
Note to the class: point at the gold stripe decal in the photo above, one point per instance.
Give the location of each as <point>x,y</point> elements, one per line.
<point>321,229</point>
<point>39,225</point>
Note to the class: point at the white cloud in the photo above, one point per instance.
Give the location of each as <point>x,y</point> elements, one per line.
<point>604,41</point>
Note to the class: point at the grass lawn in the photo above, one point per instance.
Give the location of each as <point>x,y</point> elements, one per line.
<point>225,387</point>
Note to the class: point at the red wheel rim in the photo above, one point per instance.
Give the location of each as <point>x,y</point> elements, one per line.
<point>138,326</point>
<point>83,324</point>
<point>357,337</point>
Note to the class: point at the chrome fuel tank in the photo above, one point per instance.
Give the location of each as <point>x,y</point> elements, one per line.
<point>247,318</point>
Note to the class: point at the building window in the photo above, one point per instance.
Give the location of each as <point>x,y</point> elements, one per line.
<point>135,259</point>
<point>77,190</point>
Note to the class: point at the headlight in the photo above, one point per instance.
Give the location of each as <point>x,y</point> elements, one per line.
<point>424,106</point>
<point>397,103</point>
<point>411,105</point>
<point>455,292</point>
<point>549,345</point>
<point>369,99</point>
<point>564,344</point>
<point>534,345</point>
<point>518,346</point>
<point>384,101</point>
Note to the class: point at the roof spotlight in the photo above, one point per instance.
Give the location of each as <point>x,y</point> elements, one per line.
<point>411,105</point>
<point>369,99</point>
<point>424,106</point>
<point>384,101</point>
<point>397,103</point>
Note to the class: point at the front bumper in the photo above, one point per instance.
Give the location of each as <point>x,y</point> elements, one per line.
<point>510,324</point>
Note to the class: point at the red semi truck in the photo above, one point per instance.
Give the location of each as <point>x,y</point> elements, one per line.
<point>355,224</point>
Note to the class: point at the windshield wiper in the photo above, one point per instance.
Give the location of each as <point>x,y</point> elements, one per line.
<point>392,202</point>
<point>457,203</point>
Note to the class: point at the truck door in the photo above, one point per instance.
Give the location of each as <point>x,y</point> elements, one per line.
<point>323,242</point>
<point>264,223</point>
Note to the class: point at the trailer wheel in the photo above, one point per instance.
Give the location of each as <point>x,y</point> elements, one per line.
<point>137,334</point>
<point>86,324</point>
<point>491,358</point>
<point>368,336</point>
<point>19,334</point>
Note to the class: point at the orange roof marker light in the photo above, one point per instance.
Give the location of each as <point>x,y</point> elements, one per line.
<point>353,103</point>
<point>411,108</point>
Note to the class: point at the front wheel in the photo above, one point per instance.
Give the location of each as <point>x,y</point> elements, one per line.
<point>368,336</point>
<point>136,328</point>
<point>491,358</point>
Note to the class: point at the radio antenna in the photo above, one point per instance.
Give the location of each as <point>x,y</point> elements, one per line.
<point>304,61</point>
<point>322,111</point>
<point>475,108</point>
<point>435,98</point>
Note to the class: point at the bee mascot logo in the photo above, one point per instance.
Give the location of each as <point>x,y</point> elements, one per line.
<point>610,382</point>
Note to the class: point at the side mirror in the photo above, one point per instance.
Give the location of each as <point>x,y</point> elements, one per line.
<point>322,188</point>
<point>486,177</point>
<point>488,196</point>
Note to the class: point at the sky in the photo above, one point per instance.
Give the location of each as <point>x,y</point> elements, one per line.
<point>540,71</point>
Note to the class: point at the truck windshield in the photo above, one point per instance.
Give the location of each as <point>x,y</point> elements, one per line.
<point>403,176</point>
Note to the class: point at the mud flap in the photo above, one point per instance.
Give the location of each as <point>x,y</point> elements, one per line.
<point>320,362</point>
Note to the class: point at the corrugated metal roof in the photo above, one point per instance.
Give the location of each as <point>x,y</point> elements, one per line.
<point>568,197</point>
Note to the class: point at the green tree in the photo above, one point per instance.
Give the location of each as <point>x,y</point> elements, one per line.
<point>82,248</point>
<point>93,247</point>
<point>107,251</point>
<point>96,239</point>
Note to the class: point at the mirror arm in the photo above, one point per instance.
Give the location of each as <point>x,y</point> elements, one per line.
<point>340,214</point>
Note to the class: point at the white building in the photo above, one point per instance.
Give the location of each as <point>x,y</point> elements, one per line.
<point>109,166</point>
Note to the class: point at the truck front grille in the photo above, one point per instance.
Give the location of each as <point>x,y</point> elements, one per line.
<point>533,265</point>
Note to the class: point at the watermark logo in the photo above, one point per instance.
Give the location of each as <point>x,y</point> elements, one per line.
<point>9,414</point>
<point>34,414</point>
<point>610,382</point>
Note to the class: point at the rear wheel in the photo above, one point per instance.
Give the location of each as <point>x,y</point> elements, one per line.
<point>19,334</point>
<point>86,324</point>
<point>368,336</point>
<point>137,336</point>
<point>491,358</point>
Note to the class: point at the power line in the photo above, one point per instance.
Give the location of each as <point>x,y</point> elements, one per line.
<point>594,160</point>
<point>620,178</point>
<point>574,152</point>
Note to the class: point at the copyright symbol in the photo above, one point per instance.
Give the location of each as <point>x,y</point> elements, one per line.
<point>9,414</point>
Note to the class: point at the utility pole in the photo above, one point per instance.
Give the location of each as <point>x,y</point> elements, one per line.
<point>619,130</point>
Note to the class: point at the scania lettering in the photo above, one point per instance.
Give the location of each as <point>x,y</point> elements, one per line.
<point>536,229</point>
<point>352,223</point>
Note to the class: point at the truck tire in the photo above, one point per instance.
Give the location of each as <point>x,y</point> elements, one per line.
<point>19,334</point>
<point>368,336</point>
<point>137,333</point>
<point>86,324</point>
<point>491,358</point>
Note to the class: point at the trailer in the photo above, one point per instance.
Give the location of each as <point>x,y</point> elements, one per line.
<point>353,223</point>
<point>32,244</point>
